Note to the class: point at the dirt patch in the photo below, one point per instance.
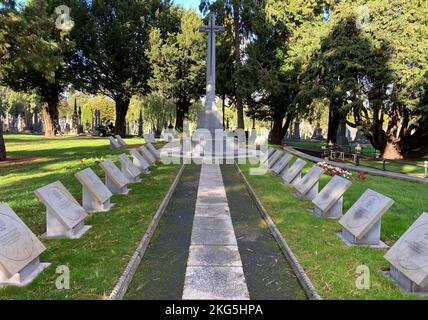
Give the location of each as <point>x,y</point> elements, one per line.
<point>19,160</point>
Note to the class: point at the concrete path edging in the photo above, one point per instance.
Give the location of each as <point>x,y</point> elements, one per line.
<point>122,285</point>
<point>304,280</point>
<point>376,172</point>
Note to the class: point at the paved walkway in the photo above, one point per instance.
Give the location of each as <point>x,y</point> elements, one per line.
<point>214,267</point>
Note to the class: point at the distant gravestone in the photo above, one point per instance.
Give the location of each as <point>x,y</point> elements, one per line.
<point>294,174</point>
<point>409,257</point>
<point>155,152</point>
<point>65,216</point>
<point>115,180</point>
<point>274,158</point>
<point>149,138</point>
<point>307,187</point>
<point>362,223</point>
<point>20,250</point>
<point>151,160</point>
<point>282,164</point>
<point>270,152</point>
<point>329,202</point>
<point>139,161</point>
<point>129,169</point>
<point>253,136</point>
<point>121,142</point>
<point>113,143</point>
<point>95,195</point>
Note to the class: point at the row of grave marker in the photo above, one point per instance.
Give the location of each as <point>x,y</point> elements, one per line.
<point>361,225</point>
<point>20,249</point>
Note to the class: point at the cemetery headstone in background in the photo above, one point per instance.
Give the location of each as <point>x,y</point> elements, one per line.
<point>113,143</point>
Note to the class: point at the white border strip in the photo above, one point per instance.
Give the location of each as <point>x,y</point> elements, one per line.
<point>122,285</point>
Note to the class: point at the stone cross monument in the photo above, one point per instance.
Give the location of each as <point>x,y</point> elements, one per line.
<point>210,118</point>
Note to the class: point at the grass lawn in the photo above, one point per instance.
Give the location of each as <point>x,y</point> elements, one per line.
<point>410,167</point>
<point>97,260</point>
<point>327,260</point>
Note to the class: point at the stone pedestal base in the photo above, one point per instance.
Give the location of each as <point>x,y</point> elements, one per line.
<point>371,238</point>
<point>111,185</point>
<point>25,276</point>
<point>405,283</point>
<point>310,195</point>
<point>91,204</point>
<point>335,212</point>
<point>55,229</point>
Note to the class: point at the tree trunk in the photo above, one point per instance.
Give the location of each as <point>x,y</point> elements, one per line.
<point>2,144</point>
<point>333,124</point>
<point>122,105</point>
<point>237,40</point>
<point>182,110</point>
<point>392,151</point>
<point>278,130</point>
<point>51,117</point>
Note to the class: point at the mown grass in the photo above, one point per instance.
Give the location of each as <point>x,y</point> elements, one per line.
<point>327,260</point>
<point>97,260</point>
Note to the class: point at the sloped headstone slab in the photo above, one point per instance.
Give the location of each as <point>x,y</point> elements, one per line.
<point>65,217</point>
<point>282,164</point>
<point>113,143</point>
<point>329,202</point>
<point>151,160</point>
<point>274,158</point>
<point>154,151</point>
<point>115,180</point>
<point>149,138</point>
<point>270,152</point>
<point>409,257</point>
<point>294,174</point>
<point>307,187</point>
<point>121,142</point>
<point>139,161</point>
<point>362,223</point>
<point>129,169</point>
<point>20,250</point>
<point>95,195</point>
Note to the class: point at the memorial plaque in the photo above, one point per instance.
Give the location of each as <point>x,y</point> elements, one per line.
<point>309,180</point>
<point>293,171</point>
<point>331,193</point>
<point>409,255</point>
<point>147,155</point>
<point>114,173</point>
<point>365,213</point>
<point>120,141</point>
<point>153,150</point>
<point>274,158</point>
<point>149,138</point>
<point>94,185</point>
<point>127,165</point>
<point>18,245</point>
<point>62,204</point>
<point>113,143</point>
<point>282,164</point>
<point>139,161</point>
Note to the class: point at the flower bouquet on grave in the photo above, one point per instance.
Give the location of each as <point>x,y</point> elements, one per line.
<point>334,171</point>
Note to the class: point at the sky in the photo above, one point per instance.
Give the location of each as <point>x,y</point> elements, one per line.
<point>189,3</point>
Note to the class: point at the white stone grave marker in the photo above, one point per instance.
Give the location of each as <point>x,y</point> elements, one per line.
<point>139,161</point>
<point>294,174</point>
<point>115,180</point>
<point>307,187</point>
<point>151,160</point>
<point>129,169</point>
<point>282,164</point>
<point>113,143</point>
<point>121,142</point>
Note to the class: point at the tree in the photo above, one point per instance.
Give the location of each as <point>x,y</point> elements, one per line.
<point>177,62</point>
<point>109,57</point>
<point>376,73</point>
<point>33,44</point>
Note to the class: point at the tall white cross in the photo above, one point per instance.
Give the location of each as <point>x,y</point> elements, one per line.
<point>211,29</point>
